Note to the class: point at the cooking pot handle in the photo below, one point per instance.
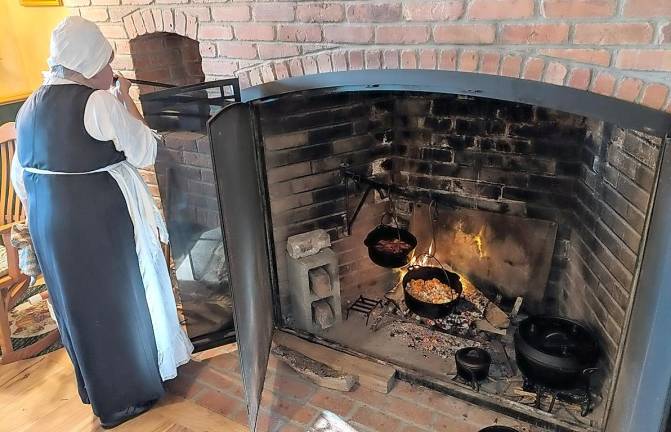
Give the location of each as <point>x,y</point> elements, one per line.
<point>430,256</point>
<point>587,405</point>
<point>393,219</point>
<point>442,267</point>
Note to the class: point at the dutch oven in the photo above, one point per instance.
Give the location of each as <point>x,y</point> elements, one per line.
<point>390,259</point>
<point>555,352</point>
<point>425,309</point>
<point>473,365</point>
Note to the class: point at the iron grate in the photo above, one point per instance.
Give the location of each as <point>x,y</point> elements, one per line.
<point>365,306</point>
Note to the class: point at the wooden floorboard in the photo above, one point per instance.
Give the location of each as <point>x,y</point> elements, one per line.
<point>12,370</point>
<point>41,395</point>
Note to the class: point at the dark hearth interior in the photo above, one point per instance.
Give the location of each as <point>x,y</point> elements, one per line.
<point>527,202</point>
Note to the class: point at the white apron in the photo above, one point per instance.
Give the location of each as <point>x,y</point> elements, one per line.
<point>173,345</point>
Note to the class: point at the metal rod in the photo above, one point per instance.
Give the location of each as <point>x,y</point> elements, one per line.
<point>371,184</point>
<point>358,209</point>
<point>552,403</point>
<point>151,83</point>
<point>349,231</point>
<point>162,94</point>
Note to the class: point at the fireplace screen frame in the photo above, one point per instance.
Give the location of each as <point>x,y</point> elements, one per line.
<point>188,108</point>
<point>641,389</point>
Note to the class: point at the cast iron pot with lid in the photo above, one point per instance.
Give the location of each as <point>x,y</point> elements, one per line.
<point>473,365</point>
<point>390,233</point>
<point>556,352</point>
<point>426,309</point>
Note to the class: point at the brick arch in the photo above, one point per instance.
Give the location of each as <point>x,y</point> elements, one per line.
<point>599,80</point>
<point>162,47</point>
<point>154,20</point>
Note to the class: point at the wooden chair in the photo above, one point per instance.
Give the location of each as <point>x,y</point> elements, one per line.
<point>13,284</point>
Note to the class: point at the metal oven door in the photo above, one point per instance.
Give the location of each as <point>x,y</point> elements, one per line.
<point>237,161</point>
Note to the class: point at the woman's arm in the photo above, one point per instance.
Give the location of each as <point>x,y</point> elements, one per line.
<point>123,94</point>
<point>106,119</point>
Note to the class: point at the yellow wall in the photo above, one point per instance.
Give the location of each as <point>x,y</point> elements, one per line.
<point>24,46</point>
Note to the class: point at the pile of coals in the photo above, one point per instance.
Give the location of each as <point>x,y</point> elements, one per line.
<point>462,322</point>
<point>420,337</point>
<point>467,312</point>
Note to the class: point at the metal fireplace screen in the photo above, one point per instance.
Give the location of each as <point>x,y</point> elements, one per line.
<point>188,108</point>
<point>188,195</point>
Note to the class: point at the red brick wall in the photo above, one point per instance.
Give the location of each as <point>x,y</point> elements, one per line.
<point>306,138</point>
<point>620,48</point>
<point>168,58</point>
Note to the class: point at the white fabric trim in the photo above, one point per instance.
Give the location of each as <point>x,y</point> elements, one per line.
<point>41,171</point>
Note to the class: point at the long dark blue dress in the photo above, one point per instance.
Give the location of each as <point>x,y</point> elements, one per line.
<point>83,237</point>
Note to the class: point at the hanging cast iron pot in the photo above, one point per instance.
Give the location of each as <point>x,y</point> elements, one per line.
<point>390,246</point>
<point>426,309</point>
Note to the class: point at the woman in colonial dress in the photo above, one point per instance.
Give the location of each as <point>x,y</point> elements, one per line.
<point>96,230</point>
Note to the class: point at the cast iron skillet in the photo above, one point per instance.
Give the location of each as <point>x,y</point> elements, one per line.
<point>431,310</point>
<point>389,232</point>
<point>557,352</point>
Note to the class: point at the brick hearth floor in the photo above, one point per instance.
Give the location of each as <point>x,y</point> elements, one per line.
<point>290,403</point>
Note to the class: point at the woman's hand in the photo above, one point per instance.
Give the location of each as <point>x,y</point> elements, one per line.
<point>122,83</point>
<point>121,91</point>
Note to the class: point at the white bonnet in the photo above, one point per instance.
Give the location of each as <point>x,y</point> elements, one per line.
<point>79,45</point>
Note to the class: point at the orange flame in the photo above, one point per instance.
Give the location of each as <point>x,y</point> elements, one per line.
<point>479,242</point>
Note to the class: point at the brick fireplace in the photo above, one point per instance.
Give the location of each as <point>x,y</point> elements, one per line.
<point>593,180</point>
<point>590,179</point>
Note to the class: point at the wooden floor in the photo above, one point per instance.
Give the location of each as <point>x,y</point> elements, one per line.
<point>40,395</point>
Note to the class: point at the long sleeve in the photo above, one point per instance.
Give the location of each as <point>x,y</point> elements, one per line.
<point>17,178</point>
<point>106,119</point>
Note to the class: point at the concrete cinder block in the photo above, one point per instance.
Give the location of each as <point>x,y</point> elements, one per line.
<point>320,282</point>
<point>315,310</point>
<point>322,314</point>
<point>309,243</point>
